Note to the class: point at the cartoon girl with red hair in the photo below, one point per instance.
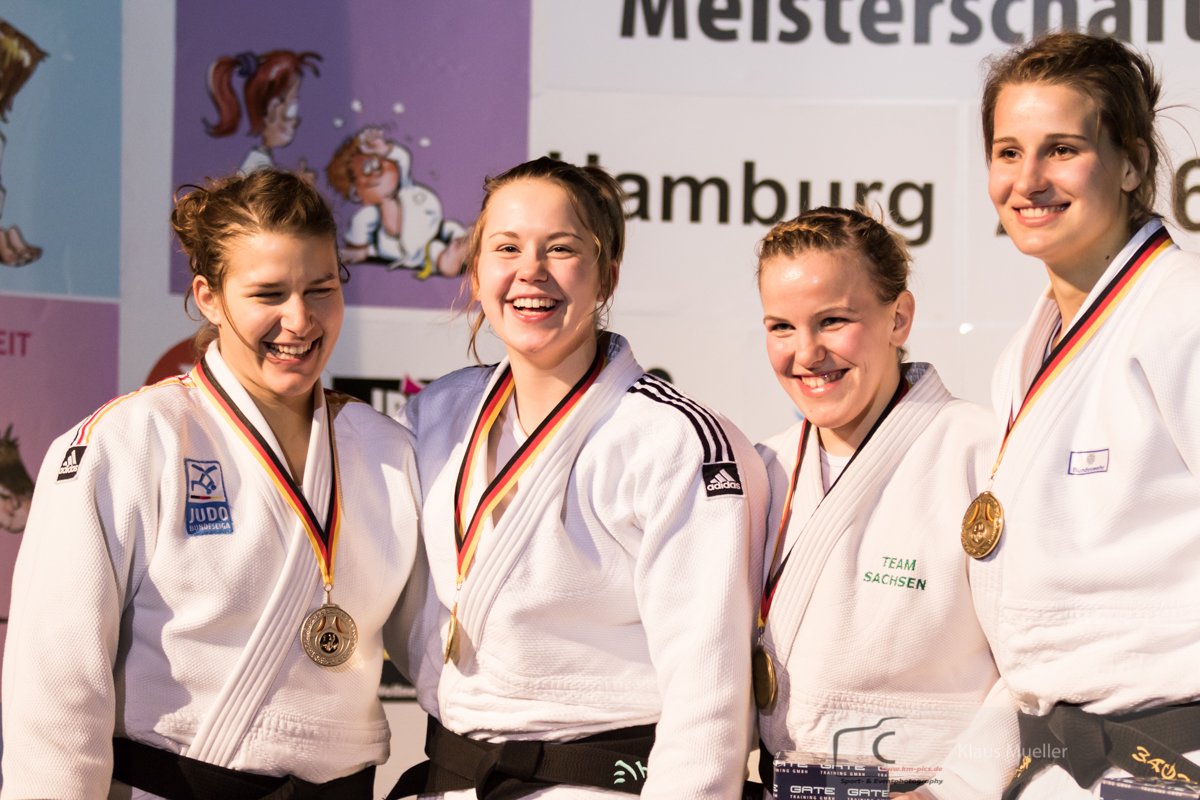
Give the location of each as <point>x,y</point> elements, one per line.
<point>270,91</point>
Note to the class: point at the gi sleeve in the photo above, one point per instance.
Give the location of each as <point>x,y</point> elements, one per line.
<point>85,548</point>
<point>695,577</point>
<point>984,756</point>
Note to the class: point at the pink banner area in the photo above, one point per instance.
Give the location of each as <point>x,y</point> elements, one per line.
<point>58,359</point>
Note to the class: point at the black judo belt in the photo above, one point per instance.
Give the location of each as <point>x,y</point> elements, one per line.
<point>177,777</point>
<point>1146,744</point>
<point>613,760</point>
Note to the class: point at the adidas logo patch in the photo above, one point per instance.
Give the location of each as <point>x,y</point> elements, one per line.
<point>69,467</point>
<point>721,478</point>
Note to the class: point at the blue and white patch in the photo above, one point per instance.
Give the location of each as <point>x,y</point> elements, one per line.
<point>1086,462</point>
<point>207,508</point>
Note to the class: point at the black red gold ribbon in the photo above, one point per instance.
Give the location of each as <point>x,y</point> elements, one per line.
<point>1082,331</point>
<point>774,574</point>
<point>322,537</point>
<point>466,531</point>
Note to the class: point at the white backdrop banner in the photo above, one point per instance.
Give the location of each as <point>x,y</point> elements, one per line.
<point>723,116</point>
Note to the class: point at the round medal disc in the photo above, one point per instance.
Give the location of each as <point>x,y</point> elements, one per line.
<point>329,636</point>
<point>763,673</point>
<point>982,525</point>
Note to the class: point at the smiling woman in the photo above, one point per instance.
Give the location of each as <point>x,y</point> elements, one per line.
<point>876,474</point>
<point>593,533</point>
<point>1097,399</point>
<point>184,543</point>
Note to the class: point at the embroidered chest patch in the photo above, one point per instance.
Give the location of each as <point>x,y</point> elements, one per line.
<point>1087,462</point>
<point>207,508</point>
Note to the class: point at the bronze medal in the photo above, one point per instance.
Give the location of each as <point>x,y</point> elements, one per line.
<point>329,635</point>
<point>982,525</point>
<point>765,683</point>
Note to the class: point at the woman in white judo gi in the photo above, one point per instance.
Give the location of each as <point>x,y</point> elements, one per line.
<point>209,562</point>
<point>592,533</point>
<point>1088,537</point>
<point>868,642</point>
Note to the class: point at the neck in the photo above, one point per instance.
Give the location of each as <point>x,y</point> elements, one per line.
<point>1072,282</point>
<point>540,388</point>
<point>846,439</point>
<point>290,419</point>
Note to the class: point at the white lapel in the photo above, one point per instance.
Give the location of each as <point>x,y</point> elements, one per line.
<point>843,511</point>
<point>542,486</point>
<point>221,731</point>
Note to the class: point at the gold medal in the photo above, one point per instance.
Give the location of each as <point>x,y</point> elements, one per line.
<point>452,637</point>
<point>329,635</point>
<point>765,683</point>
<point>982,525</point>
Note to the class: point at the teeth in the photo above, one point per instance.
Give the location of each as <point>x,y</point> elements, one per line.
<point>1041,211</point>
<point>817,381</point>
<point>289,350</point>
<point>534,302</point>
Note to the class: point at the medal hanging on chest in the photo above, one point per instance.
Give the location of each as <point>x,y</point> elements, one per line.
<point>983,524</point>
<point>466,530</point>
<point>328,635</point>
<point>765,681</point>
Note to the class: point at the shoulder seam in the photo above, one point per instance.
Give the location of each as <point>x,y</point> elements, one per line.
<point>714,442</point>
<point>84,434</point>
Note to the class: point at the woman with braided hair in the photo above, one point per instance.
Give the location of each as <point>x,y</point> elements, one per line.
<point>868,641</point>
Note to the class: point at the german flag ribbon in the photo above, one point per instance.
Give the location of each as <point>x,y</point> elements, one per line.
<point>466,530</point>
<point>322,537</point>
<point>1086,327</point>
<point>775,573</point>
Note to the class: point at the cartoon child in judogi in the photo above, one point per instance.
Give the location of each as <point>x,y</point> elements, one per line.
<point>401,222</point>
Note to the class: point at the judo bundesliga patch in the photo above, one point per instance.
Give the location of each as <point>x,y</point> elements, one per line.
<point>721,478</point>
<point>207,508</point>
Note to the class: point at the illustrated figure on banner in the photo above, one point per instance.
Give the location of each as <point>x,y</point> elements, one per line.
<point>401,223</point>
<point>16,487</point>
<point>270,92</point>
<point>19,57</point>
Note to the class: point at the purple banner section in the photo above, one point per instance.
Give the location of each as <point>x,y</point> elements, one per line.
<point>396,110</point>
<point>58,359</point>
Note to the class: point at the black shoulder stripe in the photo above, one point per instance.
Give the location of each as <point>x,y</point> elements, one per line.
<point>715,443</point>
<point>687,413</point>
<point>714,425</point>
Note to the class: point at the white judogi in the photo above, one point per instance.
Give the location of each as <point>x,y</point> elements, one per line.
<point>872,617</point>
<point>125,623</point>
<point>1093,594</point>
<point>615,591</point>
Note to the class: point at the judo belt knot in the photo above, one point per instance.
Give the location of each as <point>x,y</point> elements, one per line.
<point>518,768</point>
<point>1146,744</point>
<point>512,759</point>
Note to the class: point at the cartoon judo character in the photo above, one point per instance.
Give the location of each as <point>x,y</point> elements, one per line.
<point>401,222</point>
<point>19,57</point>
<point>16,488</point>
<point>271,91</point>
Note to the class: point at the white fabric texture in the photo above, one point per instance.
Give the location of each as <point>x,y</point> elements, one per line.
<point>1092,595</point>
<point>831,469</point>
<point>873,618</point>
<point>613,592</point>
<point>123,623</point>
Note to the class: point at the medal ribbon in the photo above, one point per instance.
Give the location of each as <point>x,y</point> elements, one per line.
<point>773,576</point>
<point>466,532</point>
<point>1082,331</point>
<point>322,537</point>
